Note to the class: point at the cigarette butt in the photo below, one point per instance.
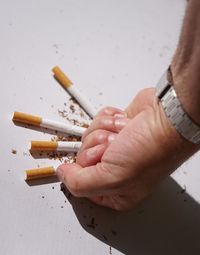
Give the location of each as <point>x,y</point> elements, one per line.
<point>39,173</point>
<point>43,145</point>
<point>61,77</point>
<point>27,118</point>
<point>54,146</point>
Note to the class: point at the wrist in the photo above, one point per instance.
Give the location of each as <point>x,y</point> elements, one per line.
<point>186,81</point>
<point>176,146</point>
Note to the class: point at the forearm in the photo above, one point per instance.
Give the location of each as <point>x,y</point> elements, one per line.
<point>186,62</point>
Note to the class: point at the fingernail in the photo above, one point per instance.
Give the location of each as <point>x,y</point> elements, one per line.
<point>120,115</point>
<point>121,123</point>
<point>111,137</point>
<point>60,174</point>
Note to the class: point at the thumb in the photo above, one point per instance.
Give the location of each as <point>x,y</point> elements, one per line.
<point>85,182</point>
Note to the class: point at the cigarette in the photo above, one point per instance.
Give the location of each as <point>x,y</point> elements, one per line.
<point>50,124</point>
<point>54,146</point>
<point>39,173</point>
<point>73,91</point>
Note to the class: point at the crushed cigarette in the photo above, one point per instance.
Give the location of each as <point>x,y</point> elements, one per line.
<point>54,146</point>
<point>73,91</point>
<point>38,173</point>
<point>50,124</point>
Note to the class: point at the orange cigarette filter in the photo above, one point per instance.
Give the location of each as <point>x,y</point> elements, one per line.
<point>39,173</point>
<point>27,118</point>
<point>61,77</point>
<point>43,145</point>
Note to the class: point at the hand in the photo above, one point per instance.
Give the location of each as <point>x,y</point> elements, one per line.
<point>123,159</point>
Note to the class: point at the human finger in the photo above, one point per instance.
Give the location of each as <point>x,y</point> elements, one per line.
<point>91,156</point>
<point>86,182</point>
<point>110,111</point>
<point>109,123</point>
<point>99,136</point>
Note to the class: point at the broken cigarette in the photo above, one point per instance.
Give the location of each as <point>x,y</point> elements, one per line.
<point>50,124</point>
<point>38,173</point>
<point>73,91</point>
<point>54,146</point>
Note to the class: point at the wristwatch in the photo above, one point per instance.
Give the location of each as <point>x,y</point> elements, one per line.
<point>174,110</point>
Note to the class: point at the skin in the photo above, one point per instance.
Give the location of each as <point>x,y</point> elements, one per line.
<point>126,154</point>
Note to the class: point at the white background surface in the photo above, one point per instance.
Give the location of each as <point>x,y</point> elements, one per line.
<point>110,49</point>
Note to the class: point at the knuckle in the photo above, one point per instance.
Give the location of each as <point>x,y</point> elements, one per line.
<point>108,110</point>
<point>102,111</point>
<point>100,136</point>
<point>104,121</point>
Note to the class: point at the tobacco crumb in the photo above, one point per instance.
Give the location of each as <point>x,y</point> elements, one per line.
<point>110,250</point>
<point>62,188</point>
<point>100,94</point>
<point>9,170</point>
<point>90,226</point>
<point>72,108</point>
<point>65,201</point>
<point>41,98</point>
<point>14,151</point>
<point>42,196</point>
<point>62,206</point>
<point>114,232</point>
<point>55,45</point>
<point>85,125</point>
<point>52,187</point>
<point>92,223</point>
<point>183,190</point>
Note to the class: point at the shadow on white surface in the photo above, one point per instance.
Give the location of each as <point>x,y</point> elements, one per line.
<point>46,180</point>
<point>167,223</point>
<point>40,129</point>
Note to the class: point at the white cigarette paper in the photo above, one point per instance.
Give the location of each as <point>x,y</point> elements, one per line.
<point>50,124</point>
<point>69,146</point>
<point>54,146</point>
<point>63,127</point>
<point>82,100</point>
<point>74,92</point>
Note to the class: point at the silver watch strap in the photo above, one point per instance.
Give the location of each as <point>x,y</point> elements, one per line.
<point>175,112</point>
